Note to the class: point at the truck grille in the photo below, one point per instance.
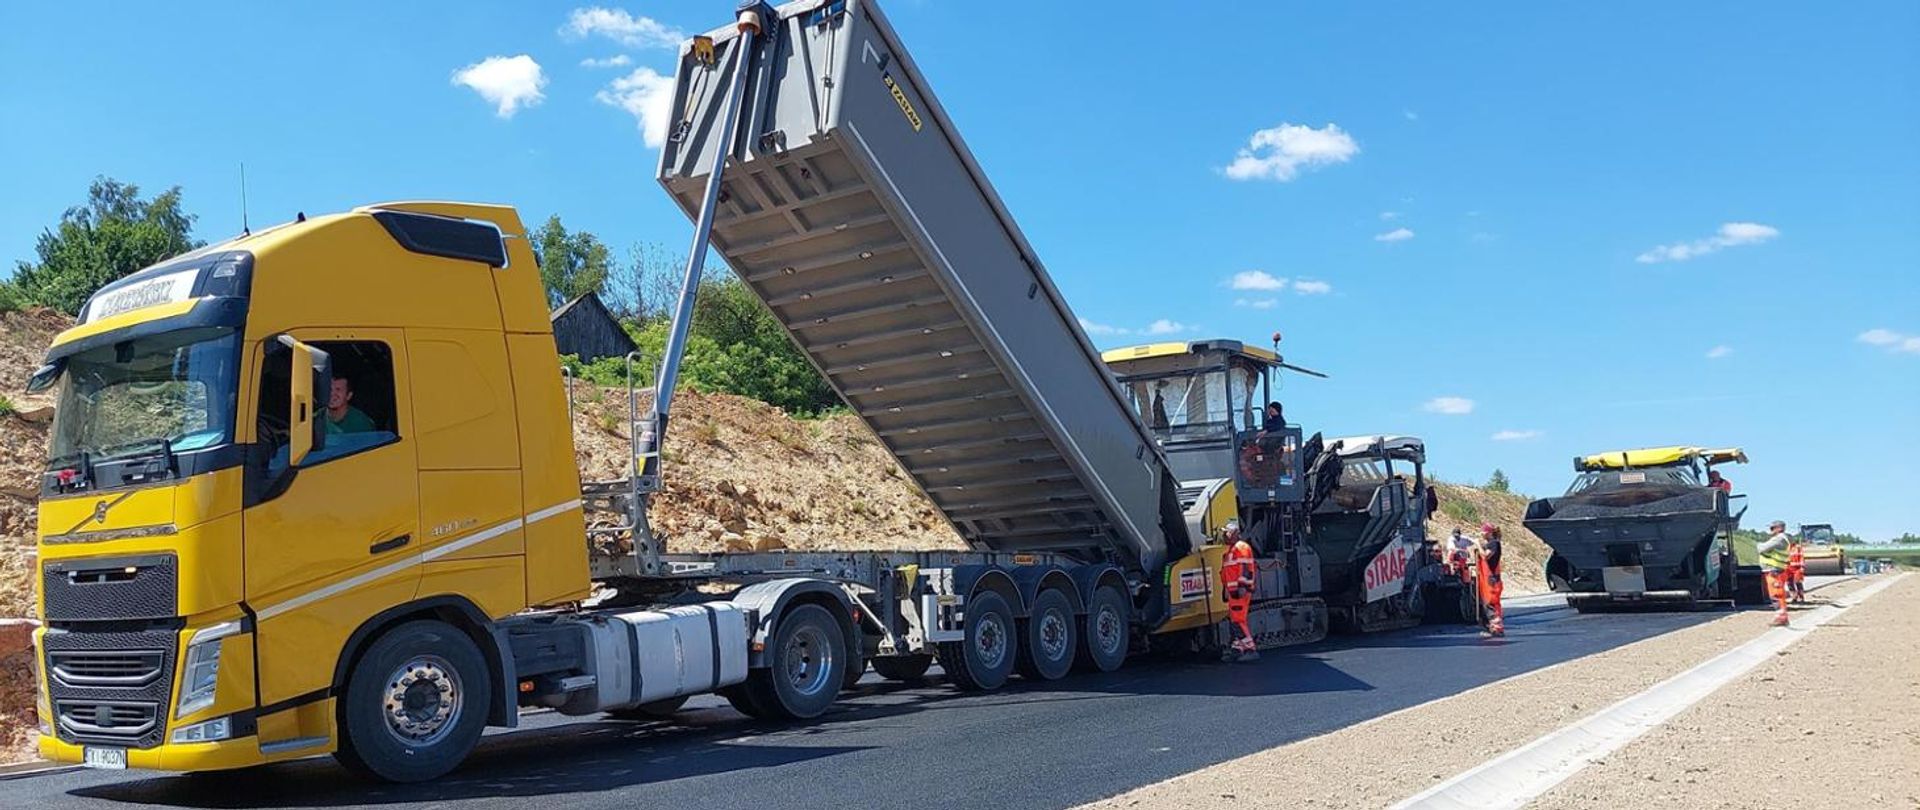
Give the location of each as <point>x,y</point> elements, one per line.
<point>110,687</point>
<point>106,668</point>
<point>108,722</point>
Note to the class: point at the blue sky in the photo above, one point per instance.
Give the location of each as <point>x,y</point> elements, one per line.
<point>1624,224</point>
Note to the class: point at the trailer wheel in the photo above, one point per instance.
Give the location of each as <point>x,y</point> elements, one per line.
<point>657,710</point>
<point>805,666</point>
<point>903,668</point>
<point>415,703</point>
<point>984,658</point>
<point>1048,640</point>
<point>1103,642</point>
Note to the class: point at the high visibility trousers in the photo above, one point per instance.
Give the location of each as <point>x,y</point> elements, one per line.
<point>1496,615</point>
<point>1237,608</point>
<point>1797,583</point>
<point>1777,591</point>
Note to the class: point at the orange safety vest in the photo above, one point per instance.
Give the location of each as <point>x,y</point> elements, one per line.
<point>1236,570</point>
<point>1795,556</point>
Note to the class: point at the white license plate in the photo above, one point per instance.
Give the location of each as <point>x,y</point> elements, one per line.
<point>109,758</point>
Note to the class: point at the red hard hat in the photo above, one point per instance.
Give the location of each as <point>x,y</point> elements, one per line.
<point>1488,528</point>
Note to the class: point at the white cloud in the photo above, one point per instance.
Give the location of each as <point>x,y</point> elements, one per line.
<point>1255,303</point>
<point>1451,406</point>
<point>1732,234</point>
<point>1395,235</point>
<point>1718,352</point>
<point>648,97</point>
<point>1281,152</point>
<point>1517,435</point>
<point>1307,287</point>
<point>1891,341</point>
<point>619,26</point>
<point>507,82</point>
<point>616,60</point>
<point>1256,280</point>
<point>1163,326</point>
<point>1388,216</point>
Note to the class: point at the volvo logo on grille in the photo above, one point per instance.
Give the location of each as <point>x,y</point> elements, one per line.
<point>103,716</point>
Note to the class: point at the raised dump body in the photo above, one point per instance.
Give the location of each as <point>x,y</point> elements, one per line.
<point>856,213</point>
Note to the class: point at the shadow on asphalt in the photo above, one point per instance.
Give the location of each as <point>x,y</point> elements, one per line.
<point>574,758</point>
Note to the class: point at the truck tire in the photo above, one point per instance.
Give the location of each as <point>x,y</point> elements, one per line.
<point>414,704</point>
<point>742,700</point>
<point>903,668</point>
<point>1048,637</point>
<point>985,658</point>
<point>805,666</point>
<point>856,669</point>
<point>1105,635</point>
<point>657,710</point>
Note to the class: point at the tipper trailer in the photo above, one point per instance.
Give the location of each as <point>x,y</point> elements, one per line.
<point>312,489</point>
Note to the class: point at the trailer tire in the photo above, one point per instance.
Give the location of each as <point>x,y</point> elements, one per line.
<point>414,704</point>
<point>1104,637</point>
<point>805,666</point>
<point>903,668</point>
<point>657,710</point>
<point>984,659</point>
<point>1048,637</point>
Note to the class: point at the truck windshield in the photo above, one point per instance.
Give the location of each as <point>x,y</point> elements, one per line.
<point>172,392</point>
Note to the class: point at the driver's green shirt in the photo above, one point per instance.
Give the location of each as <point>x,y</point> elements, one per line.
<point>351,421</point>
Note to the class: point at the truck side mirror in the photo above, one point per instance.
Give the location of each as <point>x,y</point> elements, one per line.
<point>312,378</point>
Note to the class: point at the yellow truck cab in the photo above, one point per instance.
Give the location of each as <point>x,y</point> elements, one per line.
<point>213,556</point>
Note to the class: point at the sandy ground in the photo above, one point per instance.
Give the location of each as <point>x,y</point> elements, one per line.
<point>1832,722</point>
<point>1390,758</point>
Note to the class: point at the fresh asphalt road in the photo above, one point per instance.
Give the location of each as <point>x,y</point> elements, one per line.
<point>886,745</point>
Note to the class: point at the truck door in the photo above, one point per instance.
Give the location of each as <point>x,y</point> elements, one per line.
<point>338,541</point>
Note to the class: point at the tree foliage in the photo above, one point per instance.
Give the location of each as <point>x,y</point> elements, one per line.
<point>111,236</point>
<point>572,264</point>
<point>1498,482</point>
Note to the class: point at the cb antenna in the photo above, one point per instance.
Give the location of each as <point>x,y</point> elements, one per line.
<point>245,229</point>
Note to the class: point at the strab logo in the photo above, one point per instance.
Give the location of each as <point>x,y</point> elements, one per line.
<point>1388,569</point>
<point>1193,584</point>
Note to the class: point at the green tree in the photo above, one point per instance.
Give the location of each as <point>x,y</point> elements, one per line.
<point>113,235</point>
<point>572,264</point>
<point>1499,483</point>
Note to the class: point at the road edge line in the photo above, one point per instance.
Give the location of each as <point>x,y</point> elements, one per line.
<point>1523,774</point>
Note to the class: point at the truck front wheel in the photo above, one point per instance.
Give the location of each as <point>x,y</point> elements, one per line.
<point>805,666</point>
<point>415,703</point>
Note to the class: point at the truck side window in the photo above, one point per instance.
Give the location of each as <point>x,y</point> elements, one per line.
<point>359,406</point>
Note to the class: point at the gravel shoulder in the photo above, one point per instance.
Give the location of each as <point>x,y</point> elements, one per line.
<point>1382,761</point>
<point>1830,722</point>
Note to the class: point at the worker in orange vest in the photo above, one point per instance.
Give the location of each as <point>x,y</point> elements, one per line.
<point>1489,576</point>
<point>1237,582</point>
<point>1774,564</point>
<point>1796,572</point>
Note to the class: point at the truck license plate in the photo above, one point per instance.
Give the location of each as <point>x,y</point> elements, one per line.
<point>109,758</point>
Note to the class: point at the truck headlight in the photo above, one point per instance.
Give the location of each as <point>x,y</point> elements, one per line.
<point>202,671</point>
<point>210,731</point>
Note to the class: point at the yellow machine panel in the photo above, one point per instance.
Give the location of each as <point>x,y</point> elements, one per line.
<point>463,400</point>
<point>556,547</point>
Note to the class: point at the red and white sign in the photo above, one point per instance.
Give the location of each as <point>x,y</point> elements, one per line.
<point>1386,575</point>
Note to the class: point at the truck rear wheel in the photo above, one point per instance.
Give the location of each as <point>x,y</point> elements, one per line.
<point>904,668</point>
<point>1104,638</point>
<point>984,659</point>
<point>805,666</point>
<point>1048,640</point>
<point>415,703</point>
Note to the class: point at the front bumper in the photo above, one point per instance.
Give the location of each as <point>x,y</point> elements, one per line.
<point>215,756</point>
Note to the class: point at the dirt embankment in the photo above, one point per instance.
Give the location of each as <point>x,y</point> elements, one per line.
<point>741,474</point>
<point>23,440</point>
<point>1524,554</point>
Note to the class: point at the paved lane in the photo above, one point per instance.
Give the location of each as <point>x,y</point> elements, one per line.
<point>1028,746</point>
